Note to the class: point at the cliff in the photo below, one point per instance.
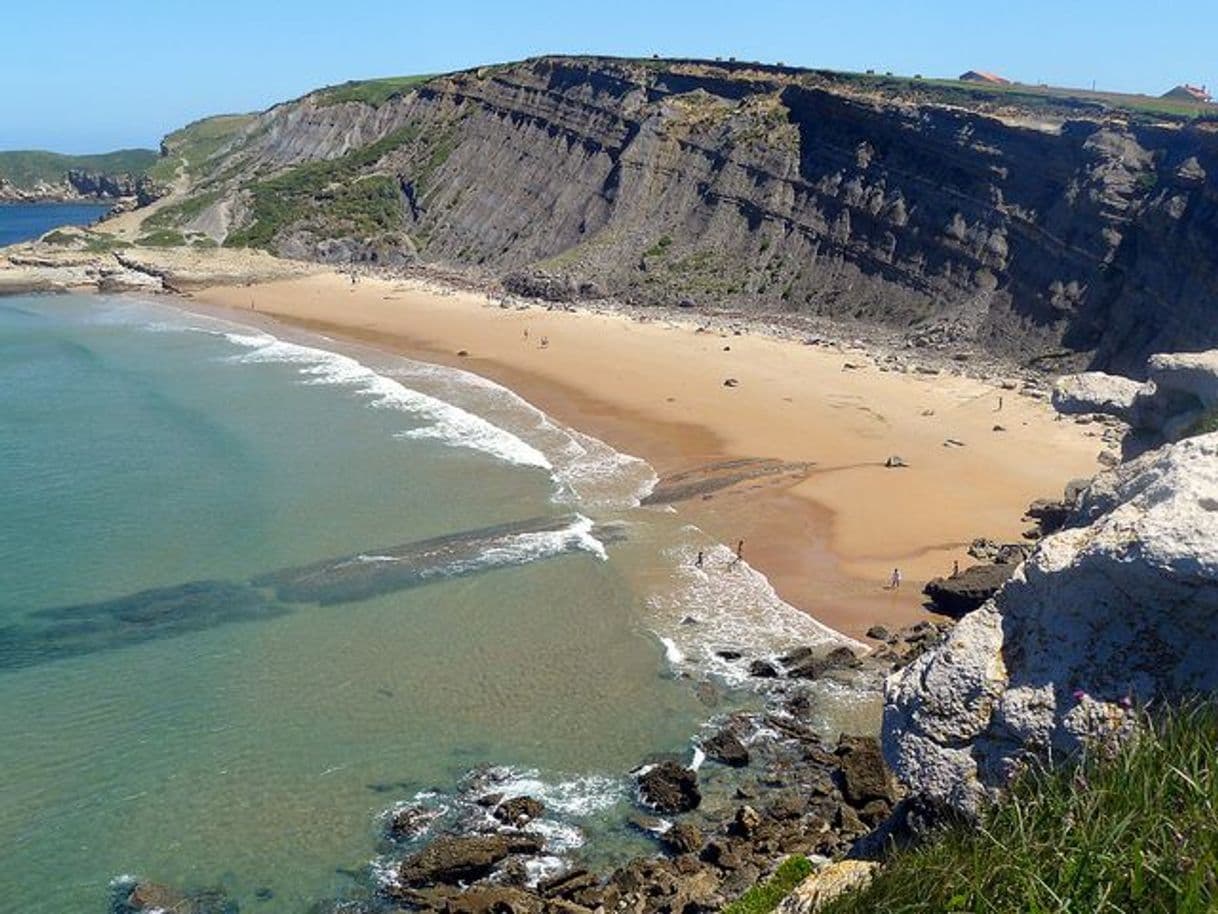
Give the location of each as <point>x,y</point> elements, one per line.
<point>1062,232</point>
<point>36,176</point>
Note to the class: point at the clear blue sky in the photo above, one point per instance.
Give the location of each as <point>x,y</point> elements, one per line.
<point>80,77</point>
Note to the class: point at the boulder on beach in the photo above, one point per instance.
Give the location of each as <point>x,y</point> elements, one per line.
<point>452,859</point>
<point>669,787</point>
<point>955,596</point>
<point>1118,609</point>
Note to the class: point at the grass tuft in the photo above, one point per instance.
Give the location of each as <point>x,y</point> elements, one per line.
<point>1137,832</point>
<point>763,898</point>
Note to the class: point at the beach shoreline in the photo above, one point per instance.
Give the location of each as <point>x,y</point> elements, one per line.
<point>828,525</point>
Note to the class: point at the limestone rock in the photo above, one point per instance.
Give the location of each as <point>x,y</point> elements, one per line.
<point>826,884</point>
<point>1094,392</point>
<point>1119,607</point>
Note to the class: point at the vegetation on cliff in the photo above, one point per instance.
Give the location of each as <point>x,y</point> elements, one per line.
<point>1132,831</point>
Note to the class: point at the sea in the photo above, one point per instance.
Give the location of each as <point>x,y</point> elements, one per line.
<point>258,587</point>
<point>27,221</point>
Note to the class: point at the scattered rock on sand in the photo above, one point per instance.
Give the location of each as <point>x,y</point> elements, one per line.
<point>763,669</point>
<point>895,461</point>
<point>731,382</point>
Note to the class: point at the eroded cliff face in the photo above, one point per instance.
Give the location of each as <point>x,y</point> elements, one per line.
<point>759,189</point>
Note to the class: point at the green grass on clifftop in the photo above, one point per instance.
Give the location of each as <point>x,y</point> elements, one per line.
<point>373,92</point>
<point>195,143</point>
<point>25,168</point>
<point>763,898</point>
<point>1134,833</point>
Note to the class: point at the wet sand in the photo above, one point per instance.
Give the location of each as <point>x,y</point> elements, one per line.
<point>828,534</point>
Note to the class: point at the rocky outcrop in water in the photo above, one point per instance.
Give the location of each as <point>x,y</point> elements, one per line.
<point>1118,609</point>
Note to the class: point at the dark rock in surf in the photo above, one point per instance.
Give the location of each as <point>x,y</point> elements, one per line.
<point>450,859</point>
<point>726,748</point>
<point>519,811</point>
<point>669,787</point>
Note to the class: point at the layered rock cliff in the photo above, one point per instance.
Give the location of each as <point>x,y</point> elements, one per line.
<point>1087,236</point>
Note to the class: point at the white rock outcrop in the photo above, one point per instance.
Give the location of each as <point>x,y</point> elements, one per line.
<point>1119,608</point>
<point>1181,390</point>
<point>1095,392</point>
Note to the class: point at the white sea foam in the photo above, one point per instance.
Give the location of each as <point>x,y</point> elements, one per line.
<point>522,548</point>
<point>699,758</point>
<point>445,422</point>
<point>588,471</point>
<point>672,653</point>
<point>733,607</point>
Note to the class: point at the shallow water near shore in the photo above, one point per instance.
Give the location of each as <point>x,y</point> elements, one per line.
<point>256,590</point>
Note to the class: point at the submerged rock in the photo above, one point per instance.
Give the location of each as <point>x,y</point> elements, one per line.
<point>1119,608</point>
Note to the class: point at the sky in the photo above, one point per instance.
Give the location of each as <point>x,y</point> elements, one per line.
<point>87,77</point>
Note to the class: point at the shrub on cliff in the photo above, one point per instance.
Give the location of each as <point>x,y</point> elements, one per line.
<point>1134,832</point>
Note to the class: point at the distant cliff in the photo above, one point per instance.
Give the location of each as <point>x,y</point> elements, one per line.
<point>34,175</point>
<point>1039,228</point>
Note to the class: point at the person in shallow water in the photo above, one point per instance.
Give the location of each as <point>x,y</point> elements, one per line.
<point>739,555</point>
<point>698,560</point>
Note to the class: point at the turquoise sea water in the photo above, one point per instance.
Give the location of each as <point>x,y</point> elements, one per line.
<point>26,221</point>
<point>253,591</point>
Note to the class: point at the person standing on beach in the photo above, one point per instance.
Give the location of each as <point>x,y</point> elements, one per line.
<point>895,582</point>
<point>956,568</point>
<point>698,560</point>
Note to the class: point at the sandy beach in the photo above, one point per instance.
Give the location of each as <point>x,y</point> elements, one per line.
<point>827,532</point>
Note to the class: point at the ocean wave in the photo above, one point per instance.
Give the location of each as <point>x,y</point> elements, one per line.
<point>447,423</point>
<point>589,472</point>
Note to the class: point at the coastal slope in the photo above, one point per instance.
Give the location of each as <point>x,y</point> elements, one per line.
<point>1061,233</point>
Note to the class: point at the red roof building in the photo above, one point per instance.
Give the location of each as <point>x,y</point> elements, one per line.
<point>1189,93</point>
<point>980,76</point>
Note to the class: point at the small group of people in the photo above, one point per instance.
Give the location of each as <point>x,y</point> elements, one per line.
<point>698,562</point>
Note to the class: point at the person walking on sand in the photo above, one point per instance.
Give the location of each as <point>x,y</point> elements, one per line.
<point>895,582</point>
<point>956,568</point>
<point>999,404</point>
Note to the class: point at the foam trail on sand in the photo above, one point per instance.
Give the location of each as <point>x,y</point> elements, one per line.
<point>727,606</point>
